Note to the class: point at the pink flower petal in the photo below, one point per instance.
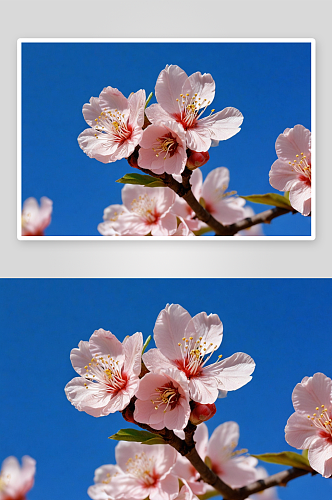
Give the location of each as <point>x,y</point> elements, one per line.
<point>300,432</point>
<point>136,103</point>
<point>233,372</point>
<point>222,442</point>
<point>223,124</point>
<point>320,457</point>
<point>300,198</point>
<point>292,142</point>
<point>104,343</point>
<point>155,361</point>
<point>81,357</point>
<point>169,330</point>
<point>169,87</point>
<point>239,471</point>
<point>209,327</point>
<point>203,389</point>
<point>313,392</point>
<point>132,347</point>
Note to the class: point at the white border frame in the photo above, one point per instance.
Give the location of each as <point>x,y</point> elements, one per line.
<point>20,41</point>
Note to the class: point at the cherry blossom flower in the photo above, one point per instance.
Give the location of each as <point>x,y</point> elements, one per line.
<point>187,344</point>
<point>145,210</point>
<point>145,471</point>
<point>34,218</point>
<point>201,413</point>
<point>234,468</point>
<point>292,171</point>
<point>196,159</point>
<point>184,99</point>
<point>102,479</point>
<point>116,125</point>
<point>108,372</point>
<point>163,148</point>
<point>310,427</point>
<point>212,193</point>
<point>16,481</point>
<point>163,400</point>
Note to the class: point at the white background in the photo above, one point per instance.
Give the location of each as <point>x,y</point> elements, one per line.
<point>158,18</point>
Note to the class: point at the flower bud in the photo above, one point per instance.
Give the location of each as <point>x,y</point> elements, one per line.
<point>200,413</point>
<point>196,159</point>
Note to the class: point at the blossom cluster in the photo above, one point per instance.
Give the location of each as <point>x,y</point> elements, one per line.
<point>143,471</point>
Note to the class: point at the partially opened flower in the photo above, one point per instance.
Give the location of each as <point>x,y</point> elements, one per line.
<point>163,400</point>
<point>145,210</point>
<point>187,344</point>
<point>108,372</point>
<point>184,99</point>
<point>163,148</point>
<point>292,171</point>
<point>16,481</point>
<point>35,219</point>
<point>310,427</point>
<point>146,472</point>
<point>116,125</point>
<point>224,207</point>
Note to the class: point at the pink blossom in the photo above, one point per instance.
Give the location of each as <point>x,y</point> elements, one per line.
<point>163,148</point>
<point>234,468</point>
<point>102,480</point>
<point>163,400</point>
<point>197,159</point>
<point>116,125</point>
<point>16,481</point>
<point>201,413</point>
<point>145,210</point>
<point>310,427</point>
<point>184,99</point>
<point>145,472</point>
<point>212,193</point>
<point>108,372</point>
<point>292,171</point>
<point>187,344</point>
<point>34,218</point>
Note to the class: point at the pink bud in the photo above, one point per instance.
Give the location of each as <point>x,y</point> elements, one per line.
<point>197,159</point>
<point>200,413</point>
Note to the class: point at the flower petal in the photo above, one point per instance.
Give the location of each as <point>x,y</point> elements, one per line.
<point>169,87</point>
<point>169,330</point>
<point>300,432</point>
<point>233,372</point>
<point>320,457</point>
<point>312,392</point>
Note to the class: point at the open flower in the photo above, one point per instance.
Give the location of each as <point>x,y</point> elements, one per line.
<point>108,372</point>
<point>292,171</point>
<point>16,481</point>
<point>212,193</point>
<point>163,148</point>
<point>234,468</point>
<point>102,480</point>
<point>116,125</point>
<point>163,400</point>
<point>310,427</point>
<point>187,344</point>
<point>145,472</point>
<point>145,210</point>
<point>34,218</point>
<point>184,99</point>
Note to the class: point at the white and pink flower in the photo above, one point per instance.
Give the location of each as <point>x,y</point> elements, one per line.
<point>224,207</point>
<point>310,427</point>
<point>35,219</point>
<point>163,148</point>
<point>145,210</point>
<point>102,480</point>
<point>16,481</point>
<point>143,471</point>
<point>184,99</point>
<point>163,400</point>
<point>108,370</point>
<point>187,344</point>
<point>115,125</point>
<point>234,468</point>
<point>292,171</point>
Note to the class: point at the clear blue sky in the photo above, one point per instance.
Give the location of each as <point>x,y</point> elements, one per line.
<point>268,82</point>
<point>284,324</point>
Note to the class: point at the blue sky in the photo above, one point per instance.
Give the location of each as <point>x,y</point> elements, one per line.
<point>268,82</point>
<point>284,324</point>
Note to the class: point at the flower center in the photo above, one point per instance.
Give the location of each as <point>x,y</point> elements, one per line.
<point>168,395</point>
<point>323,421</point>
<point>189,109</point>
<point>303,168</point>
<point>106,371</point>
<point>166,144</point>
<point>142,467</point>
<point>145,207</point>
<point>194,355</point>
<point>113,123</point>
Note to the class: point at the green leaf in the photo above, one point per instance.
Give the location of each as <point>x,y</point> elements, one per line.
<point>148,99</point>
<point>146,343</point>
<point>142,180</point>
<point>286,458</point>
<point>269,199</point>
<point>144,437</point>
